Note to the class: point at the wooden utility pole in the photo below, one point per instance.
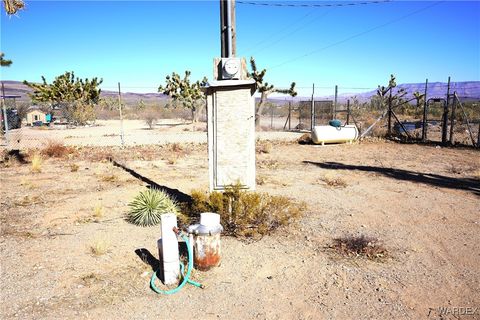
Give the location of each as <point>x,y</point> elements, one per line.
<point>233,27</point>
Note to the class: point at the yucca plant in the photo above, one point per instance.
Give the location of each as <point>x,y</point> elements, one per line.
<point>147,207</point>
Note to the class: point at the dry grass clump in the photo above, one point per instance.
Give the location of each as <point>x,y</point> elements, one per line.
<point>305,139</point>
<point>36,163</point>
<point>261,180</point>
<point>74,167</point>
<point>28,200</point>
<point>360,246</point>
<point>98,212</point>
<point>9,158</point>
<point>56,150</point>
<point>247,214</point>
<point>109,177</point>
<point>269,164</point>
<point>334,181</point>
<point>264,147</point>
<point>99,246</point>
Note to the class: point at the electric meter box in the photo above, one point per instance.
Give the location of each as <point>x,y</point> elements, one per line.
<point>231,68</point>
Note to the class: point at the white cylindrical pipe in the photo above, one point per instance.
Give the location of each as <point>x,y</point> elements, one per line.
<point>170,258</point>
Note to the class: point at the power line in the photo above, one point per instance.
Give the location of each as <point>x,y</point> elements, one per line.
<point>277,32</point>
<point>293,32</point>
<point>310,5</point>
<point>358,34</point>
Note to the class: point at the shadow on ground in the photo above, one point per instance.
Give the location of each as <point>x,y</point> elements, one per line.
<point>172,193</point>
<point>436,180</point>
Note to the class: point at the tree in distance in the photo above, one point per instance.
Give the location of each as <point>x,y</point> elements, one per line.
<point>4,62</point>
<point>185,92</point>
<point>265,89</point>
<point>12,6</point>
<point>76,98</point>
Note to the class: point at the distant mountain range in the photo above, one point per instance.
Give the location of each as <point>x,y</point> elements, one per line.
<point>17,88</point>
<point>468,90</point>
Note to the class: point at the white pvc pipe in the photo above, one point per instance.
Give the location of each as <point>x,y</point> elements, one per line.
<point>170,258</point>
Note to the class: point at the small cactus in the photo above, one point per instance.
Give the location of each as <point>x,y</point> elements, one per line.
<point>147,207</point>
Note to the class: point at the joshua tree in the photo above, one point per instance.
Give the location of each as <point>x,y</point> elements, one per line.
<point>265,89</point>
<point>76,97</point>
<point>188,94</point>
<point>4,62</point>
<point>12,6</point>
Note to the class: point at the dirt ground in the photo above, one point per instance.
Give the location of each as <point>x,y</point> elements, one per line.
<point>422,202</point>
<point>108,133</point>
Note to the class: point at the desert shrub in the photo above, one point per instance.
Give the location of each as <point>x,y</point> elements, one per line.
<point>150,117</point>
<point>334,181</point>
<point>264,147</point>
<point>56,150</point>
<point>247,214</point>
<point>360,246</point>
<point>147,207</point>
<point>305,139</point>
<point>100,246</point>
<point>74,167</point>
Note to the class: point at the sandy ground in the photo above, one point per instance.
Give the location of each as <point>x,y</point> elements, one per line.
<point>422,202</point>
<point>108,133</point>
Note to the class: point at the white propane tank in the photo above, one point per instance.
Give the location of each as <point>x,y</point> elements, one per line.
<point>168,246</point>
<point>330,134</point>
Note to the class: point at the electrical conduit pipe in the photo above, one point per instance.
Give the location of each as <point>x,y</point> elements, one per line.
<point>186,277</point>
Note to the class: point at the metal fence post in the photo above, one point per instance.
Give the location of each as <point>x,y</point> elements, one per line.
<point>445,116</point>
<point>122,138</point>
<point>312,109</point>
<point>452,120</point>
<point>5,117</point>
<point>335,103</point>
<point>389,132</point>
<point>348,111</point>
<point>424,121</point>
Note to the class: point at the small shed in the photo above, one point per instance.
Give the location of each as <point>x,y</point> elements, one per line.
<point>35,114</point>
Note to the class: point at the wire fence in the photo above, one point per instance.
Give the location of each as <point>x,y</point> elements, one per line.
<point>136,119</point>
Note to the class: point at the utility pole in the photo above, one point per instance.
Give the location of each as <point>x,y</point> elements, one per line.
<point>227,28</point>
<point>233,28</point>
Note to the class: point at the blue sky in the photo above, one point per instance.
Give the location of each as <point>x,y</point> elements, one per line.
<point>138,43</point>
